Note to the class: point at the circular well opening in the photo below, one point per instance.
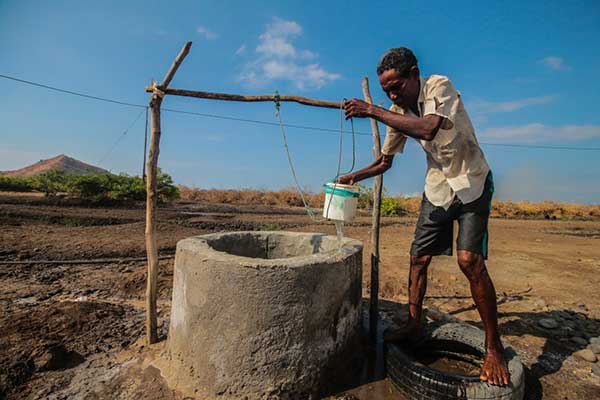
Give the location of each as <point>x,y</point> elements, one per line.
<point>269,245</point>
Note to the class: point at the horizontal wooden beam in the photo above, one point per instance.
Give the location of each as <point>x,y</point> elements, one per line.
<point>238,97</point>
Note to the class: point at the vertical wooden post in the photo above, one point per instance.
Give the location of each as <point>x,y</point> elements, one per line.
<point>152,199</point>
<point>145,147</point>
<point>377,187</point>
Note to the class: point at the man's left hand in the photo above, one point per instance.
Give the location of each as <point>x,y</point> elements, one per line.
<point>357,108</point>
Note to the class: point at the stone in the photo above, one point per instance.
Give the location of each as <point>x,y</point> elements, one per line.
<point>595,340</point>
<point>596,369</point>
<point>595,347</point>
<point>579,340</point>
<point>548,323</point>
<point>586,354</point>
<point>539,303</point>
<point>52,359</point>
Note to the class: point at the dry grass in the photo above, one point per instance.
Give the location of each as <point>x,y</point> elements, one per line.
<point>411,206</point>
<point>545,209</point>
<point>282,198</point>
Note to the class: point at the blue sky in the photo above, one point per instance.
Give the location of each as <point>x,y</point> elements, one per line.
<point>527,71</point>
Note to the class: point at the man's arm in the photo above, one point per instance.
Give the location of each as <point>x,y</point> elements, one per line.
<point>419,128</point>
<point>379,166</point>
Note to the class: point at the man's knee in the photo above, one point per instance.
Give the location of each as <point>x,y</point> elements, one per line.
<point>419,264</point>
<point>471,264</point>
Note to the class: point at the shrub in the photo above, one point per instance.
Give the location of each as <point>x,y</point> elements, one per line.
<point>126,188</point>
<point>16,184</point>
<point>391,207</point>
<point>165,188</point>
<point>50,182</point>
<point>366,198</point>
<point>93,187</point>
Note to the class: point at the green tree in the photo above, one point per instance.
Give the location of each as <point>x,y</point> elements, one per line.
<point>16,184</point>
<point>50,182</point>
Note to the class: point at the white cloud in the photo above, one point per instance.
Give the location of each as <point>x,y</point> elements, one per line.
<point>488,107</point>
<point>278,59</point>
<point>207,33</point>
<point>241,50</point>
<point>556,63</point>
<point>540,133</point>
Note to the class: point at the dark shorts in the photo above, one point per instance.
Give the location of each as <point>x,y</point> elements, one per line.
<point>435,226</point>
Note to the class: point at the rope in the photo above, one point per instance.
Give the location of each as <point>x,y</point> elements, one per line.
<point>340,153</point>
<point>309,210</point>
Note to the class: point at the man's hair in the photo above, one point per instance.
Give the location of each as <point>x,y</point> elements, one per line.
<point>401,59</point>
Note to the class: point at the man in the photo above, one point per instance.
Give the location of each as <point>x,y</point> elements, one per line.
<point>458,186</point>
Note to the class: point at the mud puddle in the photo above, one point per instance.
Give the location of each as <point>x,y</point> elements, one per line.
<point>449,364</point>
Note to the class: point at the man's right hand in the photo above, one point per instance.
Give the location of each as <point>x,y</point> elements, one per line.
<point>346,179</point>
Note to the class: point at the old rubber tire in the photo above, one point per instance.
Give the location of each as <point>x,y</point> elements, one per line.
<point>418,381</point>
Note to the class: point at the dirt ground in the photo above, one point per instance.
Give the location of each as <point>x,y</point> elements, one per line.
<point>75,330</point>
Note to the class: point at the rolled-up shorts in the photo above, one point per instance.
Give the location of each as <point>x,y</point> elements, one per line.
<point>435,226</point>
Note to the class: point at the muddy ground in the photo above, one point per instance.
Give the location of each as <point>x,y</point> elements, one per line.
<point>75,330</point>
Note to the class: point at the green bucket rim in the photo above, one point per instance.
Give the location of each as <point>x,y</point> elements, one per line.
<point>338,191</point>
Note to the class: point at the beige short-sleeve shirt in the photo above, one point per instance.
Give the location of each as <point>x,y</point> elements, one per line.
<point>455,162</point>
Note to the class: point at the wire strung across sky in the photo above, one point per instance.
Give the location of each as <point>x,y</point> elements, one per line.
<point>253,121</point>
<point>120,138</point>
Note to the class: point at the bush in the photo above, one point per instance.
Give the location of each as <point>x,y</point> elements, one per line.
<point>126,188</point>
<point>16,184</point>
<point>391,207</point>
<point>50,182</point>
<point>93,187</point>
<point>165,188</point>
<point>365,200</point>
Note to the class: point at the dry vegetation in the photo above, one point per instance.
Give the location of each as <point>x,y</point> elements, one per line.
<point>409,206</point>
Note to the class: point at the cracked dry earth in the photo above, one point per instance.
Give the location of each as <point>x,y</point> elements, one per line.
<point>73,331</point>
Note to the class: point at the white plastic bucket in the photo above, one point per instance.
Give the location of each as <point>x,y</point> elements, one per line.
<point>340,202</point>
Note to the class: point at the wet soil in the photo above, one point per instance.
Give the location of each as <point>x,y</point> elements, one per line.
<point>76,330</point>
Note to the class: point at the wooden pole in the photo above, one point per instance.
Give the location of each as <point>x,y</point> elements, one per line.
<point>377,187</point>
<point>145,147</point>
<point>238,97</point>
<point>152,199</point>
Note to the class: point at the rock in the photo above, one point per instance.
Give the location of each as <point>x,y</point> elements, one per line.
<point>596,369</point>
<point>569,324</point>
<point>548,323</point>
<point>595,340</point>
<point>580,316</point>
<point>579,340</point>
<point>539,303</point>
<point>595,347</point>
<point>53,358</point>
<point>586,354</point>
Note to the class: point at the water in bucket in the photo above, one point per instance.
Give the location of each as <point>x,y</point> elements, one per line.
<point>340,205</point>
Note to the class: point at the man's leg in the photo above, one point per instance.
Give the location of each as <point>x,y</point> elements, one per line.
<point>417,286</point>
<point>494,369</point>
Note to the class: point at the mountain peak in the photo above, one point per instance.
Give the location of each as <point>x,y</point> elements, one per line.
<point>61,162</point>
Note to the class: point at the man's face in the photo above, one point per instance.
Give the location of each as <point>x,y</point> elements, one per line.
<point>403,91</point>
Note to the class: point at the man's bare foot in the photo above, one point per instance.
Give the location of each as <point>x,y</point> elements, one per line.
<point>408,331</point>
<point>494,370</point>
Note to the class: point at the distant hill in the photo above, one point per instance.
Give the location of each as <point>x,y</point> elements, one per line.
<point>62,163</point>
